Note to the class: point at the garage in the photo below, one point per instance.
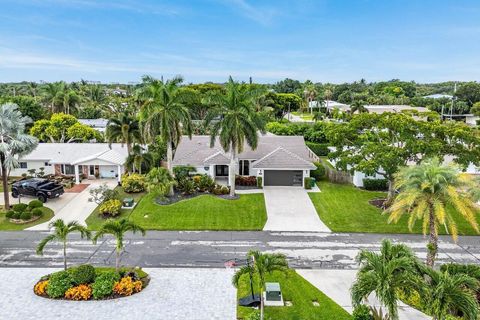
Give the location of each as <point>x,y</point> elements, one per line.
<point>283,178</point>
<point>108,171</point>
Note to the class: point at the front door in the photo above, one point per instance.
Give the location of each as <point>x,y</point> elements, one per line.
<point>221,170</point>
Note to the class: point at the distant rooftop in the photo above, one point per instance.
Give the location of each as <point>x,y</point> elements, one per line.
<point>438,96</point>
<point>393,108</point>
<point>98,124</point>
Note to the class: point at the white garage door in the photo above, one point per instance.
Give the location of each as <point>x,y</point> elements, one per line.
<point>108,171</point>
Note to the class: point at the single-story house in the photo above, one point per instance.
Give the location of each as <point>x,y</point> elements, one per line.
<point>97,124</point>
<point>438,96</point>
<point>279,160</point>
<point>74,159</point>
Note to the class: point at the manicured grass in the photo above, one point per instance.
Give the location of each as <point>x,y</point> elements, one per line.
<point>94,221</point>
<point>205,212</point>
<point>301,293</point>
<point>6,225</point>
<point>345,208</point>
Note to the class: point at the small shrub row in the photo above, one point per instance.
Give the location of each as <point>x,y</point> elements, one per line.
<point>23,211</point>
<point>375,184</point>
<point>249,181</point>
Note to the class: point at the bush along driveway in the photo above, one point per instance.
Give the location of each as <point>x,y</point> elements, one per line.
<point>345,208</point>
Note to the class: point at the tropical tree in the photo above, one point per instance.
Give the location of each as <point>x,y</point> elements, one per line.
<point>426,190</point>
<point>386,274</point>
<point>159,181</point>
<point>139,158</point>
<point>118,228</point>
<point>124,128</point>
<point>164,113</point>
<point>13,142</point>
<point>60,234</point>
<point>263,264</point>
<point>358,105</point>
<point>50,94</point>
<point>236,122</point>
<point>445,292</point>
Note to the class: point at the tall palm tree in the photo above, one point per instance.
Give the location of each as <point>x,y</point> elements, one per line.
<point>51,93</point>
<point>263,264</point>
<point>139,158</point>
<point>123,128</point>
<point>384,274</point>
<point>118,228</point>
<point>69,100</point>
<point>445,292</point>
<point>60,234</point>
<point>359,106</point>
<point>425,192</point>
<point>13,142</point>
<point>164,112</point>
<point>237,122</point>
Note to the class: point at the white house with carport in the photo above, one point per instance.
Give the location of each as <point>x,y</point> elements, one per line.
<point>279,160</point>
<point>90,160</point>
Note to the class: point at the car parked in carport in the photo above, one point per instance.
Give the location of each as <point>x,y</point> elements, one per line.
<point>42,189</point>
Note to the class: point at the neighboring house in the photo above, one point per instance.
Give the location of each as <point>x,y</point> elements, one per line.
<point>393,108</point>
<point>97,124</point>
<point>75,159</point>
<point>279,160</point>
<point>438,96</point>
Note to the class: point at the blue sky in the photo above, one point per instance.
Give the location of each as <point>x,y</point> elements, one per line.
<point>327,41</point>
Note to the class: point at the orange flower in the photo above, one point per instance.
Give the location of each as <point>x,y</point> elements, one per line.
<point>126,286</point>
<point>40,288</point>
<point>81,292</point>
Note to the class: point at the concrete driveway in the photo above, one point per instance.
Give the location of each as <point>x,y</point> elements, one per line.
<point>290,209</point>
<point>337,283</point>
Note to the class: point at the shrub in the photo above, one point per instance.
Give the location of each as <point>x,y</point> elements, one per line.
<point>83,274</point>
<point>103,285</point>
<point>220,190</point>
<point>37,212</point>
<point>183,172</point>
<point>133,183</point>
<point>205,183</point>
<point>41,287</point>
<point>246,181</point>
<point>307,183</point>
<point>35,204</point>
<point>188,186</point>
<point>375,184</point>
<point>80,292</point>
<point>20,207</point>
<point>471,270</point>
<point>9,214</point>
<point>259,182</point>
<point>26,215</point>
<point>58,284</point>
<point>362,312</point>
<point>103,193</point>
<point>320,149</point>
<point>318,173</point>
<point>110,208</point>
<point>126,286</point>
<point>16,215</point>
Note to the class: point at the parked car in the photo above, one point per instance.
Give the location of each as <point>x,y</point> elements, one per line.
<point>42,189</point>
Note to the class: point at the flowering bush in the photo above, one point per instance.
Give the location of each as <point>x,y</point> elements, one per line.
<point>81,292</point>
<point>41,287</point>
<point>58,284</point>
<point>126,286</point>
<point>103,285</point>
<point>110,208</point>
<point>133,183</point>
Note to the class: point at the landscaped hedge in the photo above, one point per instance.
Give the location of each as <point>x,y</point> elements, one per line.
<point>313,132</point>
<point>318,173</point>
<point>24,213</point>
<point>375,184</point>
<point>246,181</point>
<point>110,208</point>
<point>320,149</point>
<point>86,283</point>
<point>133,183</point>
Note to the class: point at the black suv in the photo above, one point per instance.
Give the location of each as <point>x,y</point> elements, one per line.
<point>42,189</point>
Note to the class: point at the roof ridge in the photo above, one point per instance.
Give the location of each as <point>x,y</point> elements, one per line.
<point>280,148</point>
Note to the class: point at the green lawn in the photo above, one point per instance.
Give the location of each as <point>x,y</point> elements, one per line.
<point>6,225</point>
<point>345,208</point>
<point>301,293</point>
<point>205,212</point>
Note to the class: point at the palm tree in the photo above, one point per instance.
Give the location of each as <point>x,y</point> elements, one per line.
<point>159,181</point>
<point>139,158</point>
<point>118,228</point>
<point>69,99</point>
<point>50,94</point>
<point>13,142</point>
<point>60,234</point>
<point>425,192</point>
<point>164,112</point>
<point>237,122</point>
<point>385,274</point>
<point>124,128</point>
<point>359,106</point>
<point>445,292</point>
<point>263,264</point>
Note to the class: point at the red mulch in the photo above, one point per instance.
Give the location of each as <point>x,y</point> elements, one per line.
<point>77,188</point>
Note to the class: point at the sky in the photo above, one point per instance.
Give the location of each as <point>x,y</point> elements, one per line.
<point>208,40</point>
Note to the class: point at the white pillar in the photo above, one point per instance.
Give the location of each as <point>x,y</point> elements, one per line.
<point>77,175</point>
<point>119,172</point>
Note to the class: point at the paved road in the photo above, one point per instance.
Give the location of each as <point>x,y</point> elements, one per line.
<point>212,249</point>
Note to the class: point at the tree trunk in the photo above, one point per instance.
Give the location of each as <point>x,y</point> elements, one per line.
<point>6,196</point>
<point>65,255</point>
<point>117,260</point>
<point>391,192</point>
<point>432,246</point>
<point>261,305</point>
<point>231,172</point>
<point>169,162</point>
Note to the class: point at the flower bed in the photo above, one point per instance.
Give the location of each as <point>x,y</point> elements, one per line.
<point>89,283</point>
<point>22,213</point>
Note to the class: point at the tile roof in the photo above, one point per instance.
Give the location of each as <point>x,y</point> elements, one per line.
<point>281,158</point>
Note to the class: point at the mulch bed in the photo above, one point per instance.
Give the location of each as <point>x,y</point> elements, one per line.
<point>20,221</point>
<point>77,188</point>
<point>379,203</point>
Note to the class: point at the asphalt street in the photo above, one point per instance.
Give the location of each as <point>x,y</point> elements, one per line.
<point>215,249</point>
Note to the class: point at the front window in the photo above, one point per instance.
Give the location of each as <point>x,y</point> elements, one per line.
<point>23,165</point>
<point>244,167</point>
<point>68,169</point>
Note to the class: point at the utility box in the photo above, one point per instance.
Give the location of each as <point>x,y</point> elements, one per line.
<point>128,202</point>
<point>273,294</point>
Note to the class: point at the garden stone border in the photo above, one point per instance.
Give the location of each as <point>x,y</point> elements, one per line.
<point>20,221</point>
